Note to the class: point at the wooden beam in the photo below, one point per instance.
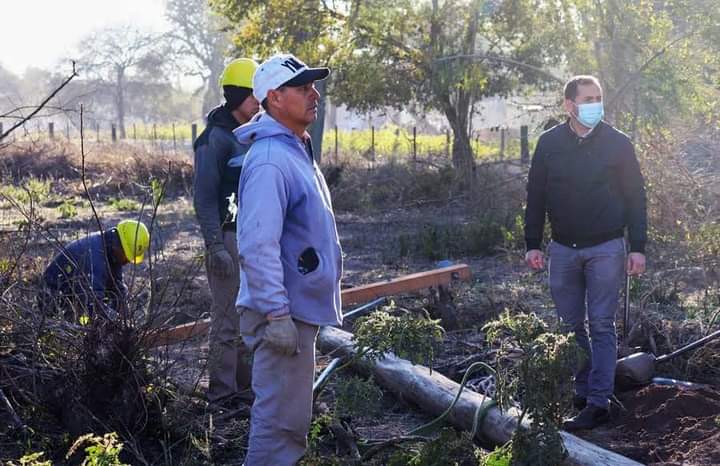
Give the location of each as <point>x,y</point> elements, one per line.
<point>406,283</point>
<point>359,294</point>
<point>177,334</point>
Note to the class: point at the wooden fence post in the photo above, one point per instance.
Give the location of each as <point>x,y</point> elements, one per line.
<point>193,132</point>
<point>447,143</point>
<point>51,130</point>
<point>524,145</point>
<point>113,133</point>
<point>372,142</point>
<point>97,131</point>
<point>502,143</point>
<point>134,131</point>
<point>336,144</point>
<point>67,130</point>
<point>414,145</point>
<point>174,140</point>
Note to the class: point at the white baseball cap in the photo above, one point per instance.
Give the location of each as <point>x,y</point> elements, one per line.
<point>284,69</point>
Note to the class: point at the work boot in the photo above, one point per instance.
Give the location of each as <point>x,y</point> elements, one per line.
<point>579,402</point>
<point>589,418</point>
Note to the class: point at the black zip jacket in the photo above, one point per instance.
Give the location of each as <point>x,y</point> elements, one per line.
<point>591,189</point>
<point>214,181</point>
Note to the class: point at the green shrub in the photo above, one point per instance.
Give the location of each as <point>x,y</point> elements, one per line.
<point>100,451</point>
<point>449,449</point>
<point>542,381</point>
<point>357,397</point>
<point>67,210</point>
<point>124,205</point>
<point>33,188</point>
<point>412,337</point>
<point>439,241</point>
<point>32,459</point>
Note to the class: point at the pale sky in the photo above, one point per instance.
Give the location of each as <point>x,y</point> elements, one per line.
<point>41,32</point>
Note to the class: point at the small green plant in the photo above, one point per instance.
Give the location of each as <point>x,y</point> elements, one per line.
<point>124,205</point>
<point>410,336</point>
<point>32,459</point>
<point>449,449</point>
<point>543,383</point>
<point>100,451</point>
<point>438,241</point>
<point>357,397</point>
<point>67,210</point>
<point>158,191</point>
<point>500,456</point>
<point>33,188</point>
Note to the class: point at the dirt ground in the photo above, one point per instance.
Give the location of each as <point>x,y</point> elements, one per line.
<point>658,425</point>
<point>665,425</point>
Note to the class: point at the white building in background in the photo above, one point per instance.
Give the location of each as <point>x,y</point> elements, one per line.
<point>490,113</point>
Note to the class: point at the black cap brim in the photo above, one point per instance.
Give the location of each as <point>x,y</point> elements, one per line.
<point>308,76</point>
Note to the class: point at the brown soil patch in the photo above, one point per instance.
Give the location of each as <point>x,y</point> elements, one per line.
<point>665,426</point>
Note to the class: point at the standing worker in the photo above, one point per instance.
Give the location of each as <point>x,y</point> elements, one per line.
<point>218,158</point>
<point>85,279</point>
<point>586,178</point>
<point>290,257</point>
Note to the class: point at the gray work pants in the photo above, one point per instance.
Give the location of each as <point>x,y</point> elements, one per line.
<point>586,283</point>
<point>229,361</point>
<point>282,411</point>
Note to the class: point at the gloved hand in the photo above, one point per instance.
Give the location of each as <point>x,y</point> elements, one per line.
<point>219,261</point>
<point>282,335</point>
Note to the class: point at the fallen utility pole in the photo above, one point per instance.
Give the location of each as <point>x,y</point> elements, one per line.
<point>433,393</point>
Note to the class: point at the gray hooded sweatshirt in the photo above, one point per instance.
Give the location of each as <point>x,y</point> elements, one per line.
<point>290,256</point>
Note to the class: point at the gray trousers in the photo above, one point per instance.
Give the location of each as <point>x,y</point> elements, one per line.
<point>229,361</point>
<point>282,411</point>
<point>585,283</point>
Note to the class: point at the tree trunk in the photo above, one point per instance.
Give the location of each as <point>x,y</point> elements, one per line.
<point>432,392</point>
<point>462,155</point>
<point>213,93</point>
<point>317,128</point>
<point>121,101</point>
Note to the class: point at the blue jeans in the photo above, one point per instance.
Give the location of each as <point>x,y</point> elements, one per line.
<point>585,283</point>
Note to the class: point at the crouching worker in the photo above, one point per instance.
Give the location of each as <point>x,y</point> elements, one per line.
<point>86,280</point>
<point>290,258</point>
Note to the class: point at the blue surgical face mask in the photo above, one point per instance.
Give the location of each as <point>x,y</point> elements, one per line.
<point>589,115</point>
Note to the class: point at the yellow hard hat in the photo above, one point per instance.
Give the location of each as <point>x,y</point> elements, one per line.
<point>239,72</point>
<point>134,238</point>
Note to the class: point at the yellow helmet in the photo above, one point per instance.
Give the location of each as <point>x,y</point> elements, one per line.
<point>134,238</point>
<point>239,72</point>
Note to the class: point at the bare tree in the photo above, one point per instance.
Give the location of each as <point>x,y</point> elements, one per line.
<point>199,43</point>
<point>118,55</point>
<point>22,119</point>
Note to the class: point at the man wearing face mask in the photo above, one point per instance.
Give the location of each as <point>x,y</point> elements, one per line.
<point>585,177</point>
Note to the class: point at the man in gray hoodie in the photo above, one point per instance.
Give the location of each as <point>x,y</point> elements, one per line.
<point>218,158</point>
<point>290,258</point>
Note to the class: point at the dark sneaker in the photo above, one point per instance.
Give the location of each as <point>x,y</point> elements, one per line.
<point>579,402</point>
<point>589,418</point>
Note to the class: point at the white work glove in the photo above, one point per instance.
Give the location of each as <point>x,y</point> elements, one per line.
<point>282,335</point>
<point>219,262</point>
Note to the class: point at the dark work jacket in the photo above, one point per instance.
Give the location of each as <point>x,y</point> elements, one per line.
<point>590,188</point>
<point>215,181</point>
<point>86,271</point>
